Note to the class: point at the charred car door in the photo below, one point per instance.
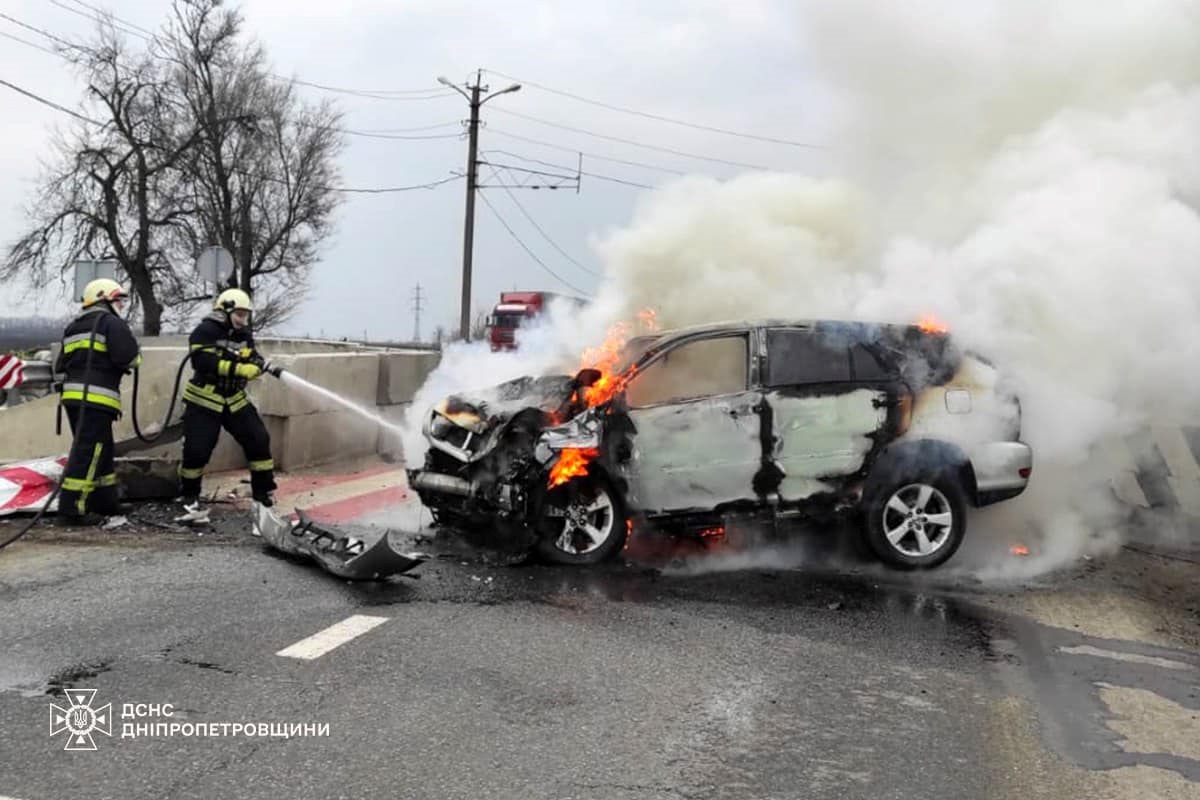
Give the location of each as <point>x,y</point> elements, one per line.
<point>696,441</point>
<point>828,403</point>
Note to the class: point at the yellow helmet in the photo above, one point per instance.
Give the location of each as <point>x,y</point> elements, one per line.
<point>232,300</point>
<point>102,290</point>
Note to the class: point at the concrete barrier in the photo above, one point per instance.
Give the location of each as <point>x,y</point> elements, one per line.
<point>27,430</point>
<point>310,439</point>
<point>402,373</point>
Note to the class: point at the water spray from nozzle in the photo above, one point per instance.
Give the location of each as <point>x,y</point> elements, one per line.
<point>295,381</point>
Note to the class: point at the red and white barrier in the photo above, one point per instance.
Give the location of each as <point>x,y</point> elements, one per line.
<point>12,372</point>
<point>25,486</point>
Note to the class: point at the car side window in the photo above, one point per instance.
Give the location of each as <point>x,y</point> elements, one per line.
<point>797,357</point>
<point>700,368</point>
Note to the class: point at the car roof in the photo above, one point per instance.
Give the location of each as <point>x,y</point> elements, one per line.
<point>858,326</point>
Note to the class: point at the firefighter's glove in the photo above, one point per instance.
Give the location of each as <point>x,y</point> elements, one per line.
<point>248,371</point>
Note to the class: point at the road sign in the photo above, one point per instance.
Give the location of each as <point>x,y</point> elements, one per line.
<point>215,265</point>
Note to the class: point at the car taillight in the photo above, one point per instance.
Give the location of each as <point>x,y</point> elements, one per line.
<point>1025,472</point>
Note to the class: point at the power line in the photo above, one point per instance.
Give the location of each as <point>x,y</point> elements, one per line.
<point>362,190</point>
<point>455,123</point>
<point>381,134</point>
<point>50,103</point>
<point>520,157</point>
<point>525,247</point>
<point>35,46</point>
<point>370,135</point>
<point>564,148</point>
<point>45,33</point>
<point>99,10</point>
<point>631,142</point>
<point>563,167</point>
<point>245,173</point>
<point>611,179</point>
<point>553,181</point>
<point>400,94</point>
<point>367,135</point>
<point>660,118</point>
<point>102,15</point>
<point>577,172</point>
<point>538,227</point>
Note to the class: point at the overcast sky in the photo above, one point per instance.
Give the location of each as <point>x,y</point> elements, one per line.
<point>729,65</point>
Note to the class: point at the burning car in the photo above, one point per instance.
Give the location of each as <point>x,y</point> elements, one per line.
<point>894,424</point>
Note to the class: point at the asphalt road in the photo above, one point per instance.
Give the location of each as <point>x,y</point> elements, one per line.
<point>479,680</point>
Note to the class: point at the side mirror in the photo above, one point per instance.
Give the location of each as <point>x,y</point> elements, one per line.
<point>587,377</point>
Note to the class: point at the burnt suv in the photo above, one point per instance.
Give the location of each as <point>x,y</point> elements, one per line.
<point>894,425</point>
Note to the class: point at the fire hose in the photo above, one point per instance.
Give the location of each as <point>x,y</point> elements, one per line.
<point>149,439</point>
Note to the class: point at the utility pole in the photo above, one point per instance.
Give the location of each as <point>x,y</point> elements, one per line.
<point>476,101</point>
<point>417,314</point>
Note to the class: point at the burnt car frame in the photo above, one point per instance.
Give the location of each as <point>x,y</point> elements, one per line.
<point>892,424</point>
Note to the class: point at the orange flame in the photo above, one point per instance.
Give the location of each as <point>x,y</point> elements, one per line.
<point>713,533</point>
<point>572,463</point>
<point>1019,550</point>
<point>607,355</point>
<point>931,324</point>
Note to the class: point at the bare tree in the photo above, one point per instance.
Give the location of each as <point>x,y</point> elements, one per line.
<point>189,144</point>
<point>265,192</point>
<point>111,189</point>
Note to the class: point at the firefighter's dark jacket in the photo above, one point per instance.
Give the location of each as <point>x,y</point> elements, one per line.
<point>217,348</point>
<point>114,352</point>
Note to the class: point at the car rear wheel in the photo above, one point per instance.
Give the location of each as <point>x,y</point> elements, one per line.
<point>917,521</point>
<point>582,522</point>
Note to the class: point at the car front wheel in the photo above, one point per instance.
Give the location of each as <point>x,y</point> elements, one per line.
<point>917,521</point>
<point>582,522</point>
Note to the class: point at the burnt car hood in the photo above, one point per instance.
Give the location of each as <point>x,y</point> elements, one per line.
<point>484,409</point>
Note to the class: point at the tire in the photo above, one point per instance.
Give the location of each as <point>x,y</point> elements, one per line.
<point>916,521</point>
<point>581,522</point>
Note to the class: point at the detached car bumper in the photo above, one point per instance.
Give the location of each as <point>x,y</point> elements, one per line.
<point>1002,470</point>
<point>337,553</point>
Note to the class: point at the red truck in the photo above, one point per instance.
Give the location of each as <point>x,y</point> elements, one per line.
<point>514,310</point>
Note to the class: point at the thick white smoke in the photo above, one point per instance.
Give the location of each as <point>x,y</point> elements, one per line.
<point>1028,172</point>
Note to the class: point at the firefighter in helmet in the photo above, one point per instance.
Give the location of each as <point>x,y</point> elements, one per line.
<point>224,360</point>
<point>98,349</point>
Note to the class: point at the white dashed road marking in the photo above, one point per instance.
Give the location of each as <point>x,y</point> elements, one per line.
<point>337,635</point>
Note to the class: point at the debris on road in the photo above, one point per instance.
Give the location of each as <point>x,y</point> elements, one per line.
<point>338,554</point>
